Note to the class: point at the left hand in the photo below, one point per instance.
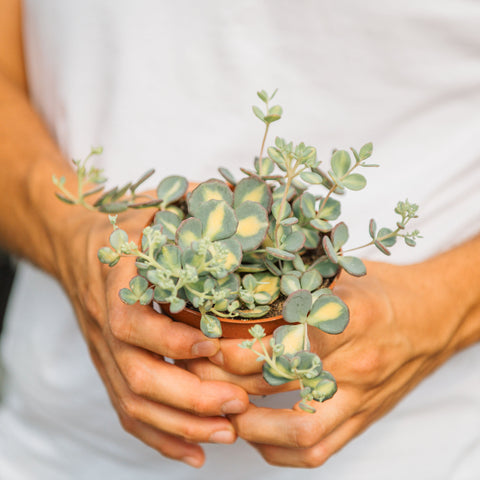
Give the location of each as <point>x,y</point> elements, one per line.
<point>399,332</point>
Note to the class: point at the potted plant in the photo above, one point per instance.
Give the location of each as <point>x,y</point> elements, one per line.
<point>259,253</point>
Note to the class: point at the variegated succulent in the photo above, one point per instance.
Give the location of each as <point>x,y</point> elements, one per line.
<point>232,249</point>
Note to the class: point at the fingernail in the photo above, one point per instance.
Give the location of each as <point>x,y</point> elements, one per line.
<point>217,359</point>
<point>204,349</point>
<point>233,406</point>
<point>192,461</point>
<point>223,436</point>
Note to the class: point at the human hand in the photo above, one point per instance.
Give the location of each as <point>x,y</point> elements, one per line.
<point>163,405</point>
<point>395,338</point>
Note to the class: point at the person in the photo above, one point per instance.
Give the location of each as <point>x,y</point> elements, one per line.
<point>166,83</point>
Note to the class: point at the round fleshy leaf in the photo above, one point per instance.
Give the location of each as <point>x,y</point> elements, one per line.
<point>323,386</point>
<point>257,312</point>
<point>312,238</point>
<point>127,296</point>
<point>287,210</point>
<point>289,284</point>
<point>190,230</point>
<point>366,151</point>
<point>169,221</point>
<point>265,167</point>
<point>272,268</point>
<point>234,254</point>
<point>297,306</point>
<point>329,314</point>
<point>331,210</point>
<point>339,236</point>
<point>307,205</point>
<point>275,154</point>
<point>262,298</point>
<point>321,225</point>
<point>249,282</point>
<point>267,283</point>
<point>372,228</point>
<point>252,225</point>
<point>294,242</point>
<point>340,162</point>
<point>146,298</point>
<point>218,219</point>
<point>210,326</point>
<point>210,190</point>
<point>325,267</point>
<point>227,175</point>
<point>355,181</point>
<point>329,250</point>
<point>353,265</point>
<point>311,280</point>
<point>280,254</point>
<point>138,285</point>
<point>292,337</point>
<point>387,242</point>
<point>382,248</point>
<point>280,375</point>
<point>177,305</point>
<point>117,238</point>
<point>172,188</point>
<point>252,189</point>
<point>108,256</point>
<point>278,193</point>
<point>311,177</point>
<point>288,222</point>
<point>232,283</point>
<point>170,257</point>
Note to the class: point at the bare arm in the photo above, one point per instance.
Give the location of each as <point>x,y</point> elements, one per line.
<point>163,405</point>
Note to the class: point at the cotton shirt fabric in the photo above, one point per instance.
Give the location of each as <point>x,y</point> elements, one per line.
<point>169,85</point>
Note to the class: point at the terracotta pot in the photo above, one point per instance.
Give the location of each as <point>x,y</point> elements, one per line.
<point>231,328</point>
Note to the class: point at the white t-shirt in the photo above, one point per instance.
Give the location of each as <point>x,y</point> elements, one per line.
<point>169,85</point>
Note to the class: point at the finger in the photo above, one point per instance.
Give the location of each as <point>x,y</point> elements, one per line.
<point>316,455</point>
<point>168,445</point>
<point>152,378</point>
<point>239,361</point>
<point>253,384</point>
<point>164,418</point>
<point>296,428</point>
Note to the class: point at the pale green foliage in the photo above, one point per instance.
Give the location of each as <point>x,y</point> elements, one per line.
<point>231,252</point>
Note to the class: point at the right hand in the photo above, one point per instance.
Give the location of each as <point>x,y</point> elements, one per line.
<point>165,406</point>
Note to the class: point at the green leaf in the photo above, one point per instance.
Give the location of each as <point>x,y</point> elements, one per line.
<point>272,118</point>
<point>264,167</point>
<point>254,190</point>
<point>382,248</point>
<point>272,268</point>
<point>276,155</point>
<point>354,181</point>
<point>169,221</point>
<point>292,337</point>
<point>321,225</point>
<point>256,312</point>
<point>190,230</point>
<point>278,193</point>
<point>227,175</point>
<point>138,285</point>
<point>329,314</point>
<point>258,113</point>
<point>287,222</point>
<point>118,238</point>
<point>372,228</point>
<point>234,254</point>
<point>307,205</point>
<point>170,257</point>
<point>275,110</point>
<point>387,242</point>
<point>107,256</point>
<point>64,199</point>
<point>339,236</point>
<point>280,254</point>
<point>325,267</point>
<point>312,178</point>
<point>366,151</point>
<point>116,207</point>
<point>218,219</point>
<point>331,210</point>
<point>210,326</point>
<point>263,96</point>
<point>146,298</point>
<point>312,238</point>
<point>278,376</point>
<point>311,280</point>
<point>410,242</point>
<point>172,188</point>
<point>297,306</point>
<point>323,386</point>
<point>340,163</point>
<point>287,210</point>
<point>267,283</point>
<point>294,242</point>
<point>329,250</point>
<point>252,225</point>
<point>177,305</point>
<point>210,190</point>
<point>352,265</point>
<point>289,284</point>
<point>127,296</point>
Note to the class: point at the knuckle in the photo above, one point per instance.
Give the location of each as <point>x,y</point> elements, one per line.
<point>120,327</point>
<point>306,434</point>
<point>128,412</point>
<point>314,457</point>
<point>368,365</point>
<point>136,377</point>
<point>190,433</point>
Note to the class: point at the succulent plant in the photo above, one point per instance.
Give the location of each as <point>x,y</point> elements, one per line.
<point>233,249</point>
